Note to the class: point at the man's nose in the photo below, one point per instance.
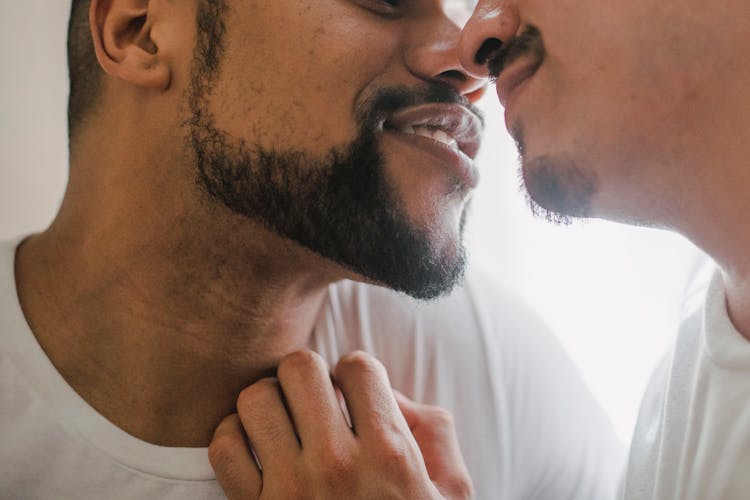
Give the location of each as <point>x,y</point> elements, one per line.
<point>493,23</point>
<point>434,57</point>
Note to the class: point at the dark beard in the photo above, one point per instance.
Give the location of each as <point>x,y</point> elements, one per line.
<point>338,205</point>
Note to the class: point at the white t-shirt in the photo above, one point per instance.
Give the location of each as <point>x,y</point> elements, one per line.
<point>528,427</point>
<point>692,439</point>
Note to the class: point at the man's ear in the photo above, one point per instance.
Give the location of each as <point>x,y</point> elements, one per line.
<point>124,42</point>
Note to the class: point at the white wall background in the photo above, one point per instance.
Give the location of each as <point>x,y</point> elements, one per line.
<point>612,293</point>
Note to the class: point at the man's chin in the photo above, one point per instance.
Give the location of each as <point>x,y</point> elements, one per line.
<point>425,279</point>
<point>558,188</point>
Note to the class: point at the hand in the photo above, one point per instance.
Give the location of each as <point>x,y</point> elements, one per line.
<point>435,433</point>
<point>306,449</point>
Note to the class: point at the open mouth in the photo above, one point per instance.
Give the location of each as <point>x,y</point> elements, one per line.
<point>451,125</point>
<point>436,134</point>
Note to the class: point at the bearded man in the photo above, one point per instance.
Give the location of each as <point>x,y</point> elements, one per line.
<point>254,189</point>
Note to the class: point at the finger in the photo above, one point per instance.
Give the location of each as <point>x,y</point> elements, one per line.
<point>432,426</point>
<point>268,426</point>
<point>435,432</point>
<point>311,397</point>
<point>232,461</point>
<point>369,397</point>
<point>409,409</point>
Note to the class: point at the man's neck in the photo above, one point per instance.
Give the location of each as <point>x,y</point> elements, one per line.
<point>160,337</point>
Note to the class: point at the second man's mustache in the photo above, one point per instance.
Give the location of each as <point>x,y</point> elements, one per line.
<point>528,43</point>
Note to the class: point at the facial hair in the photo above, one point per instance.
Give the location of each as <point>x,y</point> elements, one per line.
<point>557,187</point>
<point>339,205</point>
<point>528,44</point>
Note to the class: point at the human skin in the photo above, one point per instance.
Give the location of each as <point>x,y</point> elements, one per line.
<point>646,102</point>
<point>388,447</point>
<point>158,305</point>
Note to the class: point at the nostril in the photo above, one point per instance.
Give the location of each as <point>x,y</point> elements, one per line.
<point>489,47</point>
<point>452,75</point>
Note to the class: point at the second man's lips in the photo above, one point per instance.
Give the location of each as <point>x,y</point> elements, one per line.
<point>513,76</point>
<point>452,124</point>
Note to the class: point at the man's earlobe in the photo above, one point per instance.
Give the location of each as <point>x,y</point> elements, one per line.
<point>125,48</point>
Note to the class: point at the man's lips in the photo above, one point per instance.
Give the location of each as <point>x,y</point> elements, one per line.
<point>451,124</point>
<point>514,76</point>
<point>449,132</point>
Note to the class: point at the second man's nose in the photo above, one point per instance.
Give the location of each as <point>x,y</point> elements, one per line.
<point>493,23</point>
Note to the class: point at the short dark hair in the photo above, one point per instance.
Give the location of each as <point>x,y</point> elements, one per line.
<point>83,69</point>
<point>86,76</point>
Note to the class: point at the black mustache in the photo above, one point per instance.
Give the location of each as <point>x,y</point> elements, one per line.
<point>527,43</point>
<point>388,100</point>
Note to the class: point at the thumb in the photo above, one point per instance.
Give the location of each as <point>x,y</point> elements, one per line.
<point>410,409</point>
<point>432,426</point>
<point>435,432</point>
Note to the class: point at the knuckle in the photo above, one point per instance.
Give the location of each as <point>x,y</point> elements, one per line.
<point>228,425</point>
<point>223,449</point>
<point>359,362</point>
<point>253,396</point>
<point>293,486</point>
<point>439,418</point>
<point>301,362</point>
<point>292,493</point>
<point>395,451</point>
<point>458,486</point>
<point>335,461</point>
<point>334,471</point>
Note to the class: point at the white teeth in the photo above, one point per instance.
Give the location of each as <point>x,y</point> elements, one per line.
<point>425,132</point>
<point>435,134</point>
<point>441,136</point>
